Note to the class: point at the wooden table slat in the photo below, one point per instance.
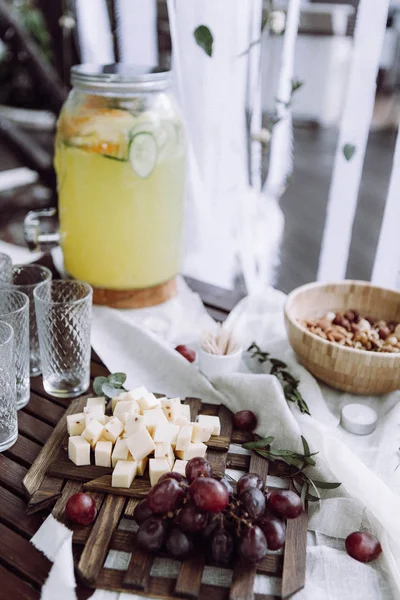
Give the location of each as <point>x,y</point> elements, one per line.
<point>13,586</point>
<point>13,514</point>
<point>11,475</point>
<point>47,411</point>
<point>33,428</point>
<point>21,556</point>
<point>24,451</point>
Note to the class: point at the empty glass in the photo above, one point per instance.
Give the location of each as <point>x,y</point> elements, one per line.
<point>5,268</point>
<point>63,312</point>
<point>8,403</point>
<point>25,278</point>
<point>14,310</point>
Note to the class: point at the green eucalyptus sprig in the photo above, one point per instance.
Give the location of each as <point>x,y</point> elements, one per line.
<point>109,386</point>
<point>297,462</point>
<point>289,383</point>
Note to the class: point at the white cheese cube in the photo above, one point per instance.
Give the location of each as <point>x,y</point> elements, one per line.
<point>197,449</point>
<point>79,450</point>
<point>113,429</point>
<point>124,473</point>
<point>185,411</point>
<point>201,433</point>
<point>133,424</point>
<point>158,467</point>
<point>164,450</point>
<point>140,444</point>
<point>184,438</point>
<point>210,421</point>
<point>76,423</point>
<point>93,432</point>
<point>166,432</point>
<point>125,407</point>
<point>152,418</point>
<point>141,466</point>
<point>171,408</point>
<point>182,421</point>
<point>138,392</point>
<point>94,413</point>
<point>148,402</point>
<point>99,401</point>
<point>123,397</point>
<point>180,467</point>
<point>102,454</point>
<point>120,452</point>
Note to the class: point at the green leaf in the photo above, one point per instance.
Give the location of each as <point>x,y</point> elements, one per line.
<point>279,364</point>
<point>97,385</point>
<point>326,485</point>
<point>296,85</point>
<point>303,496</point>
<point>348,151</point>
<point>110,390</point>
<point>309,461</point>
<point>306,447</point>
<point>117,379</point>
<point>259,443</point>
<point>204,39</point>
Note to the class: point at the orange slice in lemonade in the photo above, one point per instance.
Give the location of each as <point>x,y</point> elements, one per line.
<point>103,132</point>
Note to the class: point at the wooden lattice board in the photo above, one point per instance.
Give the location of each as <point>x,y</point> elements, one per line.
<point>53,477</point>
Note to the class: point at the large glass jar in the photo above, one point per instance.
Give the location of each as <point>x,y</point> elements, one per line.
<point>120,164</point>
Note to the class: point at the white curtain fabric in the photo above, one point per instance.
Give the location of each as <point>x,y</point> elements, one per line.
<point>94,32</point>
<point>387,260</point>
<point>354,129</point>
<point>137,31</point>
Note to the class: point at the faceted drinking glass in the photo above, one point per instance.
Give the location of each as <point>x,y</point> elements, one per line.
<point>8,401</point>
<point>14,310</point>
<point>63,312</point>
<point>5,268</point>
<point>25,278</point>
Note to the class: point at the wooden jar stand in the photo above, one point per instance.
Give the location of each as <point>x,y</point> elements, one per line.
<point>136,298</point>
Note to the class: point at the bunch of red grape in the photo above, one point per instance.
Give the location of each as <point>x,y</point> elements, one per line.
<point>202,510</point>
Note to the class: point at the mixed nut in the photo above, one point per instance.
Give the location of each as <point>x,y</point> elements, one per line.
<point>356,331</point>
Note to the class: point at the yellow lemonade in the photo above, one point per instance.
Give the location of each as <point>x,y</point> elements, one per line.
<point>121,195</point>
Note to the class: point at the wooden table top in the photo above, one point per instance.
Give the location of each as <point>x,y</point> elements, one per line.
<point>23,569</point>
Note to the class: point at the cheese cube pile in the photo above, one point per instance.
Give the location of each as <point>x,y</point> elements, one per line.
<point>143,430</point>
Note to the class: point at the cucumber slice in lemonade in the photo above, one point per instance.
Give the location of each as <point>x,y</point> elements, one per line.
<point>143,153</point>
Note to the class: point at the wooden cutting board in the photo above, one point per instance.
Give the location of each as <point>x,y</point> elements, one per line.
<point>54,478</point>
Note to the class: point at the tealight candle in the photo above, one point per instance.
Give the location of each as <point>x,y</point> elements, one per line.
<point>358,419</point>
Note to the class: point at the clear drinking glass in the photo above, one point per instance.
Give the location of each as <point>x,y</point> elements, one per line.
<point>8,401</point>
<point>14,310</point>
<point>25,278</point>
<point>63,312</point>
<point>5,268</point>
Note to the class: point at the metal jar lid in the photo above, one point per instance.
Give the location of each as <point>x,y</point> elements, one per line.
<point>119,78</point>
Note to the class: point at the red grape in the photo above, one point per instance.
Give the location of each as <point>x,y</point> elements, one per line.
<point>274,530</point>
<point>192,520</point>
<point>253,502</point>
<point>165,496</point>
<point>81,508</point>
<point>211,527</point>
<point>248,481</point>
<point>222,547</point>
<point>253,545</point>
<point>363,546</point>
<point>151,533</point>
<point>142,512</point>
<point>209,494</point>
<point>186,352</point>
<point>173,475</point>
<point>285,503</point>
<point>178,544</point>
<point>225,482</point>
<point>245,420</point>
<point>198,467</point>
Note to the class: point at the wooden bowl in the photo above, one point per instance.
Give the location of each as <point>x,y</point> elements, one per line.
<point>347,369</point>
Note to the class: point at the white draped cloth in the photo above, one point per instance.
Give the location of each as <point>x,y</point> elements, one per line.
<point>141,344</point>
